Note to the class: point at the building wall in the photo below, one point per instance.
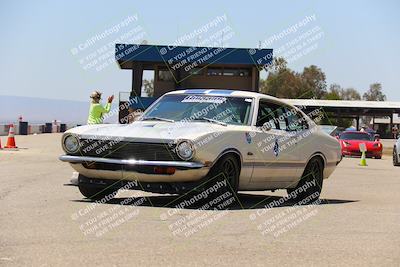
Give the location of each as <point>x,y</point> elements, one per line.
<point>204,80</point>
<point>162,87</point>
<point>218,82</point>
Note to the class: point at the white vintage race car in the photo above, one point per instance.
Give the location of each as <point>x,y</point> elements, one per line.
<point>188,139</point>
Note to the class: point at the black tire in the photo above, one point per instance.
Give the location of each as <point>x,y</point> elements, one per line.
<point>395,158</point>
<point>312,178</point>
<point>378,157</point>
<point>227,171</point>
<point>227,168</point>
<point>95,191</point>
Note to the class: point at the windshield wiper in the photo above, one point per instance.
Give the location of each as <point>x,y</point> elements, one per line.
<point>156,119</point>
<point>210,120</point>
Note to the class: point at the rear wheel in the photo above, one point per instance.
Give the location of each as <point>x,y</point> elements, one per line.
<point>395,157</point>
<point>95,191</point>
<point>309,187</point>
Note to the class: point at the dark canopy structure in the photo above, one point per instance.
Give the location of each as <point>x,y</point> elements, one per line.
<point>179,67</point>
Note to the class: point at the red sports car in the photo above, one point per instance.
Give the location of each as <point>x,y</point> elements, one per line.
<point>350,141</point>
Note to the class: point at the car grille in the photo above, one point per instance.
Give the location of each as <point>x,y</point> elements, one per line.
<point>127,150</point>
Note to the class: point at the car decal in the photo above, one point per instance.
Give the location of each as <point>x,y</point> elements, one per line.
<point>248,137</point>
<point>276,148</point>
<point>204,99</point>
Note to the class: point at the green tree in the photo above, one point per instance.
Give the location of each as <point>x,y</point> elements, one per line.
<point>281,81</point>
<point>333,95</point>
<point>336,92</point>
<point>285,83</point>
<point>374,93</point>
<point>342,94</point>
<point>310,83</point>
<point>148,86</point>
<point>350,94</point>
<point>314,82</point>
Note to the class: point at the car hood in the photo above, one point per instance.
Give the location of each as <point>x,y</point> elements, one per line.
<point>356,143</point>
<point>148,131</point>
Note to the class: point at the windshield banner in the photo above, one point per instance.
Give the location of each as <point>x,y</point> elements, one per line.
<point>204,99</point>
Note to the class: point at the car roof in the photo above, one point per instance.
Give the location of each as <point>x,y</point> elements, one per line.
<point>223,92</point>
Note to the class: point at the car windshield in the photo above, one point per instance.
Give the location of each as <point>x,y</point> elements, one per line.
<point>212,109</point>
<point>356,136</point>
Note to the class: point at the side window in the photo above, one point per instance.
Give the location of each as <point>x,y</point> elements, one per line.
<point>280,117</point>
<point>266,115</point>
<point>164,74</point>
<point>296,122</point>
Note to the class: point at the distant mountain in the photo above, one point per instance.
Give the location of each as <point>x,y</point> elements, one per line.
<point>41,110</point>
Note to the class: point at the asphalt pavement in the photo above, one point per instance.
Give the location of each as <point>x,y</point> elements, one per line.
<point>46,222</point>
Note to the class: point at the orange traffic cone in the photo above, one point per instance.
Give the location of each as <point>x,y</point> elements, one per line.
<point>11,138</point>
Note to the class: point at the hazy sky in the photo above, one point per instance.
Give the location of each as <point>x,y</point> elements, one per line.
<point>357,44</point>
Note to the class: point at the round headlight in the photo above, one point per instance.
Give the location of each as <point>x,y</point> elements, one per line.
<point>185,150</point>
<point>71,144</point>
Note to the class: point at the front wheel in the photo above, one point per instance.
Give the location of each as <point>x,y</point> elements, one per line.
<point>224,176</point>
<point>227,169</point>
<point>95,191</point>
<point>221,186</point>
<point>309,188</point>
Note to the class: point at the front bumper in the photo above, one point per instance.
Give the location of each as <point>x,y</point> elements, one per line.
<point>135,170</point>
<point>357,153</point>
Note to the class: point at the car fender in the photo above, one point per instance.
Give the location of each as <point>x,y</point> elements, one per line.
<point>226,151</point>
